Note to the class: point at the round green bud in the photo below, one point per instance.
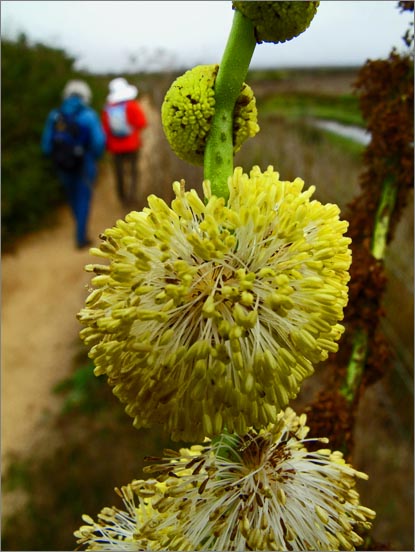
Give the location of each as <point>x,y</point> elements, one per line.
<point>278,21</point>
<point>188,109</point>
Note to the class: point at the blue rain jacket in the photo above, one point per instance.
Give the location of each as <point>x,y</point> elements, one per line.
<point>87,117</point>
<point>78,186</point>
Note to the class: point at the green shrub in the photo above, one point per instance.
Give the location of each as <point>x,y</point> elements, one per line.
<point>33,77</point>
<point>32,81</point>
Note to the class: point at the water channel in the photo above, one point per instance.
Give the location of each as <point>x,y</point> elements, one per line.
<point>358,134</point>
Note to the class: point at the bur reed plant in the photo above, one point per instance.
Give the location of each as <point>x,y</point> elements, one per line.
<point>385,89</point>
<point>207,317</point>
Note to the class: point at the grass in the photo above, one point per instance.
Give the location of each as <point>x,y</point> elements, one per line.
<point>296,149</point>
<point>80,390</point>
<point>343,109</point>
<point>347,145</point>
<point>87,452</point>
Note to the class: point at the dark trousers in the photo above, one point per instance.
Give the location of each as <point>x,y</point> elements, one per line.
<point>78,190</point>
<point>126,174</point>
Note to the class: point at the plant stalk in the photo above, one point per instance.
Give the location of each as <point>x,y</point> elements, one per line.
<point>218,158</point>
<point>383,215</point>
<point>356,365</point>
<point>360,347</point>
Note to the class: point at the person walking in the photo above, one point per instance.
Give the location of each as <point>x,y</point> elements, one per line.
<point>74,139</point>
<point>123,119</point>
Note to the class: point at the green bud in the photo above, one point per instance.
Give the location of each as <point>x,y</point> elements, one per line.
<point>188,109</point>
<point>278,21</point>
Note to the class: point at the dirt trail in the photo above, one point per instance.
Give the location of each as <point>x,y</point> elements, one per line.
<point>43,287</point>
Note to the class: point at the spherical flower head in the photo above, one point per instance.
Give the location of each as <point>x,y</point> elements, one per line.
<point>264,491</point>
<point>259,491</point>
<point>278,21</point>
<point>211,314</point>
<point>117,529</point>
<point>188,109</point>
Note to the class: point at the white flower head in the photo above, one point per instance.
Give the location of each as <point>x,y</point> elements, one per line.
<point>265,491</point>
<point>260,491</point>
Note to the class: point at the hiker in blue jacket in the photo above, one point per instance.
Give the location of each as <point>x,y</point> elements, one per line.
<point>74,139</point>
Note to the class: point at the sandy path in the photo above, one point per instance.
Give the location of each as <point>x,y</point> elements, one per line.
<point>43,287</point>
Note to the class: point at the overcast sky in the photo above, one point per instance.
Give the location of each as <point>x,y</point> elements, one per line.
<point>116,36</point>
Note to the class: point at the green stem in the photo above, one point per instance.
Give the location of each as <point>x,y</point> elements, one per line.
<point>218,159</point>
<point>356,365</point>
<point>225,445</point>
<point>383,215</point>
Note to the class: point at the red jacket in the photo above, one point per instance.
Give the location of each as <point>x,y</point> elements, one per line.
<point>136,119</point>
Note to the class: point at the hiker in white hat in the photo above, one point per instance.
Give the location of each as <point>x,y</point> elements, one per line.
<point>121,91</point>
<point>123,119</point>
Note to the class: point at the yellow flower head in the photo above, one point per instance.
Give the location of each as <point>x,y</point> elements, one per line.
<point>278,21</point>
<point>189,106</point>
<point>263,491</point>
<point>210,315</point>
<point>259,491</point>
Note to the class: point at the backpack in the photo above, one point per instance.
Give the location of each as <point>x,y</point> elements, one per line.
<point>69,142</point>
<point>117,120</point>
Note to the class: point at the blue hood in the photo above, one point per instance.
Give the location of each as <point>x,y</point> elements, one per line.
<point>72,105</point>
